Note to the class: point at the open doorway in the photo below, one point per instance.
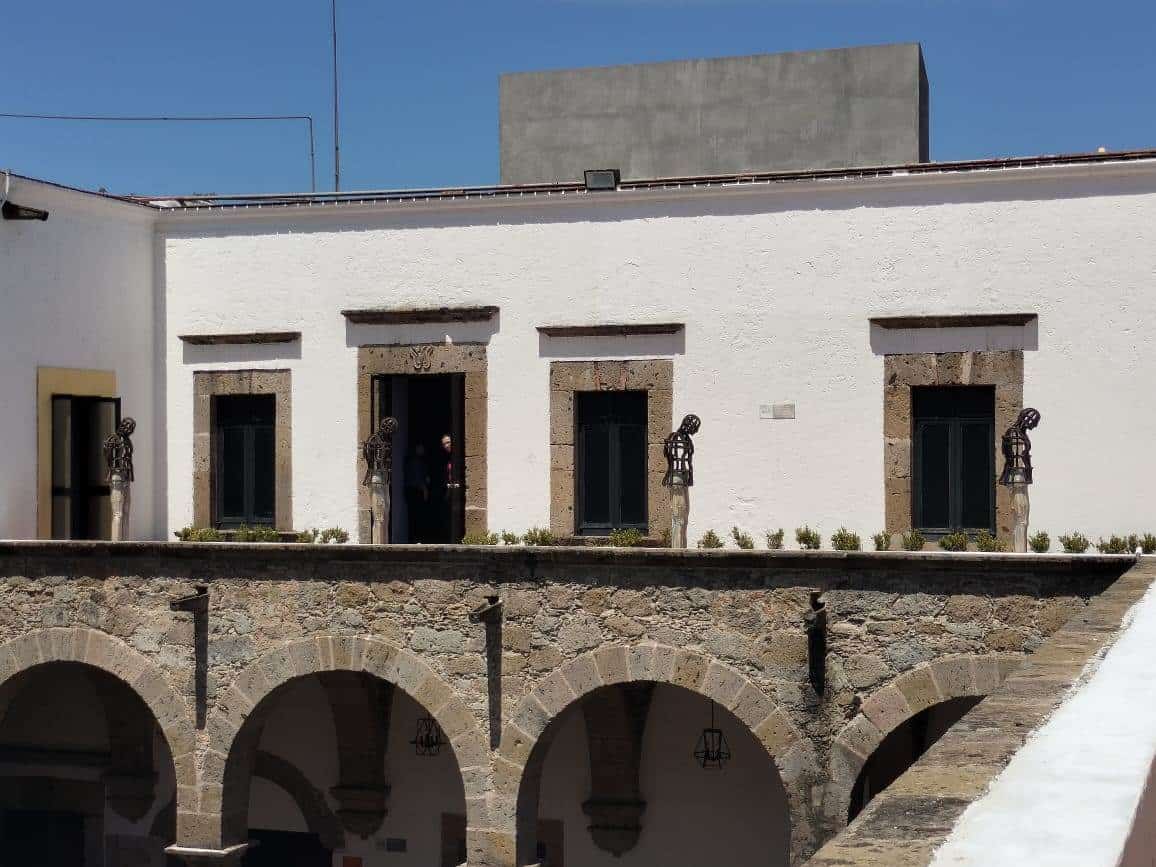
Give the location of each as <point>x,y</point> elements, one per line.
<point>427,496</point>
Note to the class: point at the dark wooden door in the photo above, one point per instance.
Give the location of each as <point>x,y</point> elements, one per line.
<point>459,482</point>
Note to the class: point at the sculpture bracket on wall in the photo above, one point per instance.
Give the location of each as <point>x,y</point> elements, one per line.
<point>197,604</point>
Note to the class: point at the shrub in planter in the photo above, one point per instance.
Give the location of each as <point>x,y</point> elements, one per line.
<point>913,541</point>
<point>710,540</point>
<point>539,536</point>
<point>1114,545</point>
<point>333,534</point>
<point>985,541</point>
<point>1148,543</point>
<point>480,539</point>
<point>1040,542</point>
<point>1075,543</point>
<point>844,540</point>
<point>198,534</point>
<point>882,541</point>
<point>628,538</point>
<point>954,542</point>
<point>256,534</point>
<point>775,540</point>
<point>509,538</point>
<point>743,540</point>
<point>808,539</point>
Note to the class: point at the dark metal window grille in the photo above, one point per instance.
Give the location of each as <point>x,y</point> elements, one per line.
<point>81,507</point>
<point>953,459</point>
<point>244,457</point>
<point>611,461</point>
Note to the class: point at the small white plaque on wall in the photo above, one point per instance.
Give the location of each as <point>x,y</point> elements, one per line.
<point>776,410</point>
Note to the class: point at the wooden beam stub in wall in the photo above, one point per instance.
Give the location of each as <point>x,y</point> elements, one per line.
<point>611,330</point>
<point>419,315</point>
<point>965,320</point>
<point>246,337</point>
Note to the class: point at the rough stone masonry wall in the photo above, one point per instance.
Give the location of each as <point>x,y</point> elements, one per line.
<point>728,624</point>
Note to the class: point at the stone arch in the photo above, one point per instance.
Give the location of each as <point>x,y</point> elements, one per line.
<point>916,690</point>
<point>526,737</point>
<point>221,821</point>
<point>101,651</point>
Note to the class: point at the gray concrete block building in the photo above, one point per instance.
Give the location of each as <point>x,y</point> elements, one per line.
<point>768,112</point>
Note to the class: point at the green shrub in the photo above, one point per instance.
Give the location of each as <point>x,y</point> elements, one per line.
<point>913,541</point>
<point>1133,542</point>
<point>775,540</point>
<point>1075,543</point>
<point>954,542</point>
<point>1148,543</point>
<point>1040,542</point>
<point>808,539</point>
<point>245,533</point>
<point>307,537</point>
<point>743,540</point>
<point>198,534</point>
<point>844,540</point>
<point>509,538</point>
<point>882,541</point>
<point>985,541</point>
<point>333,534</point>
<point>1114,545</point>
<point>710,540</point>
<point>628,538</point>
<point>539,536</point>
<point>480,539</point>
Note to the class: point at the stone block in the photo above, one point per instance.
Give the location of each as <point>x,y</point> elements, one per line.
<point>531,717</point>
<point>456,719</point>
<point>887,709</point>
<point>664,659</point>
<point>640,662</point>
<point>470,750</point>
<point>861,737</point>
<point>507,777</point>
<point>776,733</point>
<point>722,684</point>
<point>432,694</point>
<point>611,663</point>
<point>689,670</point>
<point>554,694</point>
<point>752,706</point>
<point>985,674</point>
<point>953,675</point>
<point>200,830</point>
<point>489,848</point>
<point>919,688</point>
<point>562,420</point>
<point>516,745</point>
<point>582,675</point>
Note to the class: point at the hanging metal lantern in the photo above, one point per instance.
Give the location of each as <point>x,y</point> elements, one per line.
<point>429,739</point>
<point>712,749</point>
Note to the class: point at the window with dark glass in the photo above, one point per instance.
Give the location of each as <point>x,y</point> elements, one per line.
<point>610,461</point>
<point>953,475</point>
<point>243,459</point>
<point>81,507</point>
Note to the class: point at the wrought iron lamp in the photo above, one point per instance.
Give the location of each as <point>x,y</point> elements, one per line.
<point>712,749</point>
<point>429,739</point>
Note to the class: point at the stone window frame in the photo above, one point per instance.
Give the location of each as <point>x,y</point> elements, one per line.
<point>208,384</point>
<point>416,359</point>
<point>656,378</point>
<point>1003,369</point>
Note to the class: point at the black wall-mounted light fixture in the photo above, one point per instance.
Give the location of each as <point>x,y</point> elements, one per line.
<point>429,739</point>
<point>712,749</point>
<point>601,180</point>
<point>13,211</point>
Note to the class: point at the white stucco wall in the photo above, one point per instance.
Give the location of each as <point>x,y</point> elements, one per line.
<point>775,285</point>
<point>76,291</point>
<point>694,816</point>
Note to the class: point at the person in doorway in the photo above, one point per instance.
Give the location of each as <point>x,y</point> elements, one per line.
<point>446,485</point>
<point>417,493</point>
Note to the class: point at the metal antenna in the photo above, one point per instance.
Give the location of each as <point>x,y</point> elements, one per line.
<point>336,127</point>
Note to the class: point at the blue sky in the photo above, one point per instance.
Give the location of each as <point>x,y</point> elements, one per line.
<point>420,79</point>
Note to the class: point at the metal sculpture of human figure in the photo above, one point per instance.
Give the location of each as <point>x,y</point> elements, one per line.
<point>678,448</point>
<point>1017,449</point>
<point>1017,473</point>
<point>117,449</point>
<point>378,454</point>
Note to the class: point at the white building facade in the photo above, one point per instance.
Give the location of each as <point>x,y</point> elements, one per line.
<point>806,319</point>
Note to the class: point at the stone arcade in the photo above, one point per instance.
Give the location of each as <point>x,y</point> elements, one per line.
<point>569,707</point>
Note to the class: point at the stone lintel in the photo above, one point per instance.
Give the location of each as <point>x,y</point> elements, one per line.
<point>248,337</point>
<point>194,856</point>
<point>419,315</point>
<point>611,329</point>
<point>965,320</point>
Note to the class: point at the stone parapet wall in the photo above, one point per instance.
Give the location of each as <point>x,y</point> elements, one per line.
<point>904,630</point>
